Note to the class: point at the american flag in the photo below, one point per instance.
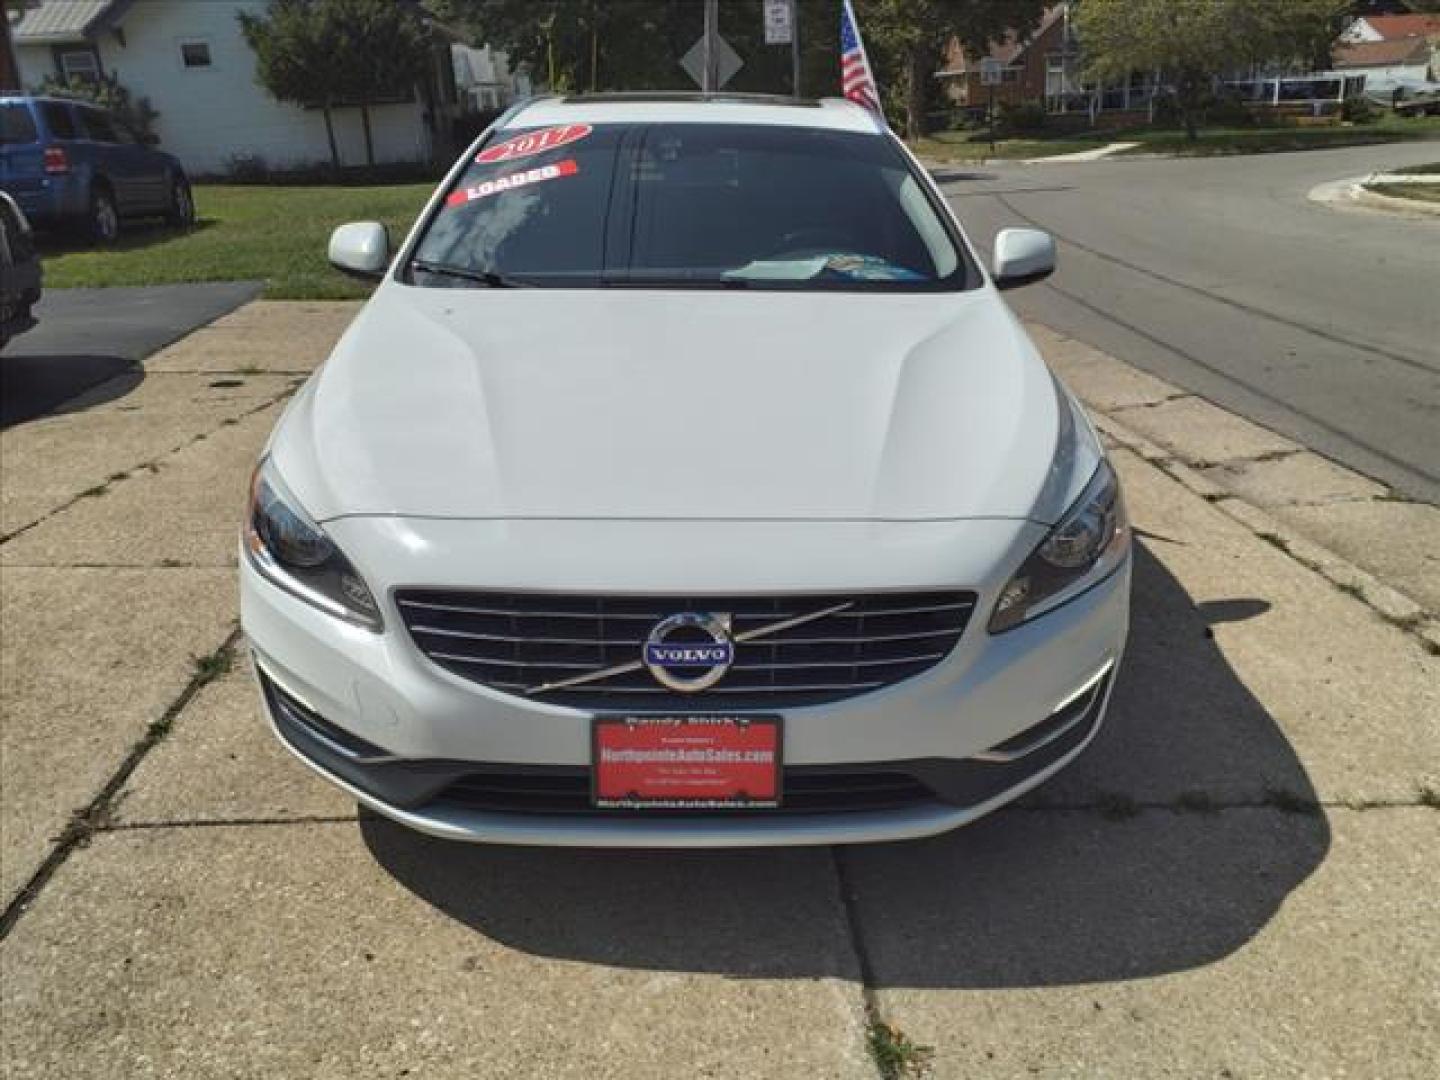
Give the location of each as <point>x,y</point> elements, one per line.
<point>856,80</point>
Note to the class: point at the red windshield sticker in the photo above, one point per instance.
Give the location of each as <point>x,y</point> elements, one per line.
<point>534,142</point>
<point>514,180</point>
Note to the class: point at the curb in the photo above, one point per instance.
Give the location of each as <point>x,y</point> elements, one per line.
<point>1352,194</point>
<point>1386,602</point>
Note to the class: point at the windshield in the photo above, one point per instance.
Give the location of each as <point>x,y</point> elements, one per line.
<point>690,205</point>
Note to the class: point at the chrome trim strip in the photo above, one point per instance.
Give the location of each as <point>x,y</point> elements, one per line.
<point>316,734</point>
<point>636,665</point>
<point>999,757</point>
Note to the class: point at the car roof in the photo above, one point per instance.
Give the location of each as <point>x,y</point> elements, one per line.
<point>828,114</point>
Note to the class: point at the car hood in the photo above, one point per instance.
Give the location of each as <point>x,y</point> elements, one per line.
<point>684,405</point>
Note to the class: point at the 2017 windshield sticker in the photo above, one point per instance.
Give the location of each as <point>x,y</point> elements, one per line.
<point>533,142</point>
<point>500,184</point>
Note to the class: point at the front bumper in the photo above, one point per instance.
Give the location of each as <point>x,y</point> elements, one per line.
<point>413,731</point>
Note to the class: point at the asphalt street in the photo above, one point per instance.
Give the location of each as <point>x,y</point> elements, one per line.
<point>84,337</point>
<point>1220,276</point>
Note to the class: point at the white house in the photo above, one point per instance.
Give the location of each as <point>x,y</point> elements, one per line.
<point>191,60</point>
<point>485,79</point>
<point>1393,52</point>
<point>1371,28</point>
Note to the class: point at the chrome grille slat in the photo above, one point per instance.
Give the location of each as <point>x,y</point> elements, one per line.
<point>517,643</point>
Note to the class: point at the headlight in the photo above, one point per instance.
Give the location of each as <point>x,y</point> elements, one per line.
<point>293,552</point>
<point>1090,541</point>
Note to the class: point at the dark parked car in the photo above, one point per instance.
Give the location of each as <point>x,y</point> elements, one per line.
<point>72,165</point>
<point>19,271</point>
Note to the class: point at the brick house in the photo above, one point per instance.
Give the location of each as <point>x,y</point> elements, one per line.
<point>1043,68</point>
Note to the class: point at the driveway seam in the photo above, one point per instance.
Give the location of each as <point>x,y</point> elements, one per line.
<point>83,824</point>
<point>849,904</point>
<point>152,465</point>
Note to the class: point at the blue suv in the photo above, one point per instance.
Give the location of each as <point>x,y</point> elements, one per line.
<point>70,164</point>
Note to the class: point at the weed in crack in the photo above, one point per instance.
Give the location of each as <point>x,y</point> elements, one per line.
<point>209,668</point>
<point>895,1054</point>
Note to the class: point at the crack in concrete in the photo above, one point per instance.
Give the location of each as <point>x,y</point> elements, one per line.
<point>97,815</point>
<point>235,822</point>
<point>152,465</point>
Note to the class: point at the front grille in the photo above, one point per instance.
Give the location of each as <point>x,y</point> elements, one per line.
<point>567,791</point>
<point>517,642</point>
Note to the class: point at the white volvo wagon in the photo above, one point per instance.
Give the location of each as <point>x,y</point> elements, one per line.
<point>686,482</point>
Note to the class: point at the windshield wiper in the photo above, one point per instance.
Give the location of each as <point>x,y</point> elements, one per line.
<point>488,278</point>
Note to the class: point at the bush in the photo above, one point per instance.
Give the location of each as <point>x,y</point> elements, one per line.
<point>1359,110</point>
<point>1167,112</point>
<point>108,93</point>
<point>1021,119</point>
<point>1229,113</point>
<point>254,170</point>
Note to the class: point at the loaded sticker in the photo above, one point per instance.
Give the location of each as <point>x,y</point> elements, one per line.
<point>514,180</point>
<point>534,142</point>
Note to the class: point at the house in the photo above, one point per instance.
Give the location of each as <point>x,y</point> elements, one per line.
<point>191,60</point>
<point>485,80</point>
<point>1376,28</point>
<point>1043,68</point>
<point>1026,59</point>
<point>1395,53</point>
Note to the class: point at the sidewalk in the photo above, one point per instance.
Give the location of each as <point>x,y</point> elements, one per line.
<point>1237,877</point>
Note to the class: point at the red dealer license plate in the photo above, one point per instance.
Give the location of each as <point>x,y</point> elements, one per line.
<point>686,762</point>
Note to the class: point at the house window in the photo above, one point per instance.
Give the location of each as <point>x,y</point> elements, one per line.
<point>195,54</point>
<point>79,64</point>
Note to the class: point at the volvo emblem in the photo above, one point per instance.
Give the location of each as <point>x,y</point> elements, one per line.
<point>690,652</point>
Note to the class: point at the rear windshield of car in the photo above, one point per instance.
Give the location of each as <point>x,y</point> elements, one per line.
<point>691,205</point>
<point>58,119</point>
<point>98,126</point>
<point>17,126</point>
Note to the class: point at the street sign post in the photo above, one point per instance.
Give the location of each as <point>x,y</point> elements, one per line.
<point>992,72</point>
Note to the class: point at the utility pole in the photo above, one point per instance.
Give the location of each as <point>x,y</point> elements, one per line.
<point>712,47</point>
<point>795,47</point>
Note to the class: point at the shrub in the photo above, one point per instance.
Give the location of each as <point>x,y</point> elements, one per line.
<point>107,92</point>
<point>1021,119</point>
<point>1230,113</point>
<point>1359,110</point>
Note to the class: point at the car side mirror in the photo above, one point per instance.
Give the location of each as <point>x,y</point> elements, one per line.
<point>1022,256</point>
<point>361,249</point>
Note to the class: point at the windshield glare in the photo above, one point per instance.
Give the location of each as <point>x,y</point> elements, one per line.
<point>691,205</point>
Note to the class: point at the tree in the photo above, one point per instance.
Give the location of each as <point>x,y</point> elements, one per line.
<point>297,59</point>
<point>1192,44</point>
<point>384,52</point>
<point>333,53</point>
<point>907,38</point>
<point>637,44</point>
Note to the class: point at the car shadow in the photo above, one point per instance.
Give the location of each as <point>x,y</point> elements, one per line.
<point>1168,845</point>
<point>32,386</point>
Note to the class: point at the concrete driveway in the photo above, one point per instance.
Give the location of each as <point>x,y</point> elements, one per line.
<point>1237,879</point>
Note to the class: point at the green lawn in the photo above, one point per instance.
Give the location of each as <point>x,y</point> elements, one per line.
<point>1214,142</point>
<point>1420,170</point>
<point>962,146</point>
<point>1429,193</point>
<point>274,234</point>
<point>975,146</point>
